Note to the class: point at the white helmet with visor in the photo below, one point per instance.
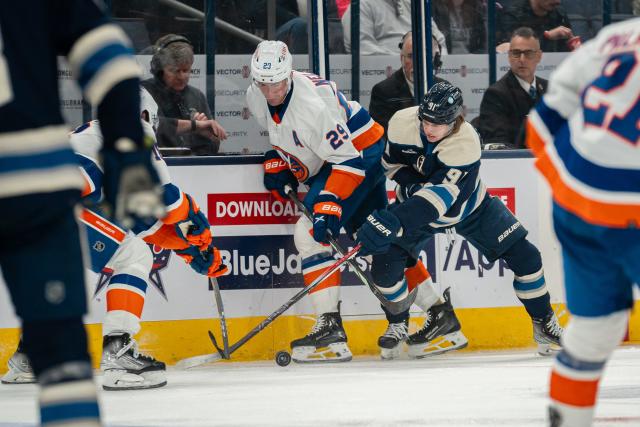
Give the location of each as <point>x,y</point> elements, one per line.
<point>271,62</point>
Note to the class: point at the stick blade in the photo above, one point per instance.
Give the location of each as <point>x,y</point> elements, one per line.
<point>192,362</point>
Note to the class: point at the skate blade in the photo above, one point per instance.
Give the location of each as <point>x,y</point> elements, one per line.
<point>18,378</point>
<point>547,350</point>
<point>438,345</point>
<point>333,353</point>
<point>390,353</point>
<point>116,380</point>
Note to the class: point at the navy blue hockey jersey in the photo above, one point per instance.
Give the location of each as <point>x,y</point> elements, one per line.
<point>35,155</point>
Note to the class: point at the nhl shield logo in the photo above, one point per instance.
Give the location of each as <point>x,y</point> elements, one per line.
<point>160,261</point>
<point>245,72</point>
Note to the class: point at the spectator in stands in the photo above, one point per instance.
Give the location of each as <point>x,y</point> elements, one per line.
<point>545,17</point>
<point>294,32</point>
<point>507,102</point>
<point>382,24</point>
<point>586,17</point>
<point>462,23</point>
<point>396,92</point>
<point>636,7</point>
<point>185,117</point>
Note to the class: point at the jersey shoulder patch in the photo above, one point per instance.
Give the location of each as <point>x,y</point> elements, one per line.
<point>404,127</point>
<point>460,149</point>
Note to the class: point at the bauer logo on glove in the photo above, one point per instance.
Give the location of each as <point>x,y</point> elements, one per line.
<point>378,232</point>
<point>275,165</point>
<point>327,212</point>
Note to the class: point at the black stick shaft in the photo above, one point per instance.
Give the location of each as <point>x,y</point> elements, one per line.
<point>223,322</point>
<point>393,307</point>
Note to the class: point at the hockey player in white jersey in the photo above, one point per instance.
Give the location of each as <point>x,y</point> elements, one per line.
<point>184,229</point>
<point>434,156</point>
<point>585,133</point>
<point>333,146</point>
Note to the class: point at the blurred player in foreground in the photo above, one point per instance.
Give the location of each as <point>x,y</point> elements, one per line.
<point>40,183</point>
<point>184,229</point>
<point>585,134</point>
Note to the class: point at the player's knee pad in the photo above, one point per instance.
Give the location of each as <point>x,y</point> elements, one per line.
<point>523,258</point>
<point>128,285</point>
<point>387,269</point>
<point>316,258</point>
<point>56,342</point>
<point>133,257</point>
<point>303,239</point>
<point>594,338</point>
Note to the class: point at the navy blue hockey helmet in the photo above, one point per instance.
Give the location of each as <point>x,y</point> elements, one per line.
<point>441,105</point>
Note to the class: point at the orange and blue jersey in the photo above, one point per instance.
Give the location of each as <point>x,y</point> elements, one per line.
<point>584,132</point>
<point>316,127</point>
<point>86,141</point>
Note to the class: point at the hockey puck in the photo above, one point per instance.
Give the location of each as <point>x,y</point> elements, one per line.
<point>283,358</point>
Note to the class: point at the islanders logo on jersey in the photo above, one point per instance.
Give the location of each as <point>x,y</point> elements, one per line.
<point>299,170</point>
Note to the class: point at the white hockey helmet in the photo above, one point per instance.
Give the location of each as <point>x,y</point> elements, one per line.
<point>148,105</point>
<point>271,62</point>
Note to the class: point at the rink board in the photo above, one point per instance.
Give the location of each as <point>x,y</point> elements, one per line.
<point>254,233</point>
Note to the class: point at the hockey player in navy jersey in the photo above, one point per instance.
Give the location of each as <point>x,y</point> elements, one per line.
<point>433,154</point>
<point>40,183</point>
<point>333,146</point>
<point>184,229</point>
<point>585,134</point>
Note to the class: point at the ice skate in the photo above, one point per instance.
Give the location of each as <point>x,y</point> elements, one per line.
<point>125,368</point>
<point>20,370</point>
<point>390,342</point>
<point>439,334</point>
<point>327,342</point>
<point>547,332</point>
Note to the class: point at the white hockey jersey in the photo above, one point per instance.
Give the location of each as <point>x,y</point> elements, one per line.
<point>317,125</point>
<point>585,132</point>
<point>86,142</point>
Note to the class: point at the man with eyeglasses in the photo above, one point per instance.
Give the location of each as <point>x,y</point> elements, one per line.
<point>507,102</point>
<point>396,92</point>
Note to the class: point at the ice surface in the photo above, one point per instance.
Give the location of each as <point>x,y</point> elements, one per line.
<point>463,389</point>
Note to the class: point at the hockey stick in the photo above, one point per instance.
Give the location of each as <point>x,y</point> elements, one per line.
<point>192,362</point>
<point>188,227</point>
<point>395,307</point>
<point>224,352</point>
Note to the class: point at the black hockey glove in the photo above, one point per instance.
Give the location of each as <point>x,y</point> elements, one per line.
<point>327,211</point>
<point>378,232</point>
<point>277,176</point>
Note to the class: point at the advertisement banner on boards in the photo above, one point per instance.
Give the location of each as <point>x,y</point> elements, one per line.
<point>254,234</point>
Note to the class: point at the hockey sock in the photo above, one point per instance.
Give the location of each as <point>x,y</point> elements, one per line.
<point>532,292</point>
<point>314,266</point>
<point>531,289</point>
<point>573,388</point>
<point>574,380</point>
<point>126,292</point>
